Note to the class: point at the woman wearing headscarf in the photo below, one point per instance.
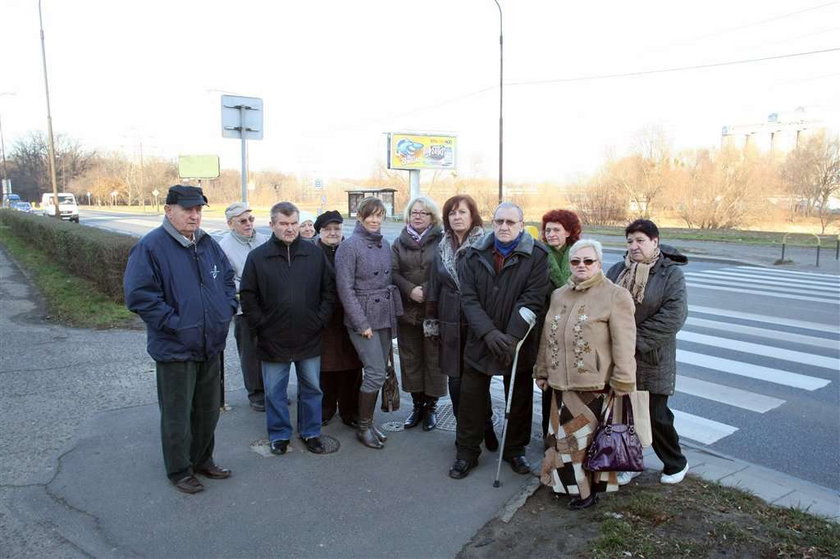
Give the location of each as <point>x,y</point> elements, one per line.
<point>341,370</point>
<point>462,225</point>
<point>560,230</point>
<point>651,273</point>
<point>413,255</point>
<point>586,351</point>
<point>371,306</point>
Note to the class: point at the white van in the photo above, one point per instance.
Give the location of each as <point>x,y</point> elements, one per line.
<point>66,205</point>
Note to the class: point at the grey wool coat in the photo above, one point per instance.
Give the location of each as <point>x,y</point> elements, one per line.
<point>659,317</point>
<point>410,267</point>
<point>363,280</point>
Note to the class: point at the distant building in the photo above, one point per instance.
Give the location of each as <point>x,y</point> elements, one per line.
<point>781,133</point>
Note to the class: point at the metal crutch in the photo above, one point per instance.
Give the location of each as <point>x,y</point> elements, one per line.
<point>531,318</point>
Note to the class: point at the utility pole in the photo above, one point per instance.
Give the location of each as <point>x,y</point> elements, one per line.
<point>501,90</point>
<point>49,117</point>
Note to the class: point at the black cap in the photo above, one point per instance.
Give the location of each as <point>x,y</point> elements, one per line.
<point>330,216</point>
<point>186,196</point>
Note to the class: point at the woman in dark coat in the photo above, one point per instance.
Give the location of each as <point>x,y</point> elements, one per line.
<point>560,230</point>
<point>462,226</point>
<point>651,273</point>
<point>414,253</point>
<point>341,370</point>
<point>371,306</point>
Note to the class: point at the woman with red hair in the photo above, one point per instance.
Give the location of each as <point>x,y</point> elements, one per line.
<point>560,230</point>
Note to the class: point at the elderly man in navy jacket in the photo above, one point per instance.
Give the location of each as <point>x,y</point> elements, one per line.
<point>181,284</point>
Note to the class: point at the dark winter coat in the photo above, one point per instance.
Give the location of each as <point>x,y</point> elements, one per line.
<point>337,352</point>
<point>444,296</point>
<point>363,279</point>
<point>492,301</point>
<point>659,317</point>
<point>410,267</point>
<point>287,294</point>
<point>183,291</point>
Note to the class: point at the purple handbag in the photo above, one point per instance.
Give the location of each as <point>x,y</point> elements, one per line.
<point>615,447</point>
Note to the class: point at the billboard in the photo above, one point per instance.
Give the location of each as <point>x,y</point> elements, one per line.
<point>198,166</point>
<point>420,151</point>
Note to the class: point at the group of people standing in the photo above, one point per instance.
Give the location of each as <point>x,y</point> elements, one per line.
<point>447,290</point>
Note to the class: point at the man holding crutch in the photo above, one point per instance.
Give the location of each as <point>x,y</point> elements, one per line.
<point>505,271</point>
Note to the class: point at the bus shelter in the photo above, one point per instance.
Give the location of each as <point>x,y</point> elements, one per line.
<point>384,194</point>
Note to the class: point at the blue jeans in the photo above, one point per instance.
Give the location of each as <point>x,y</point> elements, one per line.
<point>276,382</point>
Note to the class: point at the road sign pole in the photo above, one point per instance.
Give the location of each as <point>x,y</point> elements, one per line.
<point>242,110</point>
<point>414,183</point>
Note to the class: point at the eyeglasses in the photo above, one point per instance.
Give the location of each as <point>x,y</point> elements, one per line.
<point>508,222</point>
<point>244,220</point>
<point>420,214</point>
<point>586,261</point>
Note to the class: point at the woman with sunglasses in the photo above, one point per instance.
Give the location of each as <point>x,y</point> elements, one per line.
<point>586,350</point>
<point>414,254</point>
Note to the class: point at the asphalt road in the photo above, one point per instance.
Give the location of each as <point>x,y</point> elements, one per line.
<point>759,359</point>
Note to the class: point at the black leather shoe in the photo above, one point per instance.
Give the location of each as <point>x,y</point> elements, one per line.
<point>580,504</point>
<point>188,484</point>
<point>519,464</point>
<point>280,446</point>
<point>257,406</point>
<point>430,418</point>
<point>491,443</point>
<point>461,468</point>
<point>213,471</point>
<point>314,445</point>
<point>417,413</point>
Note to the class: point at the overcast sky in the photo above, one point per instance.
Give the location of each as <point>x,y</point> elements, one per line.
<point>335,75</point>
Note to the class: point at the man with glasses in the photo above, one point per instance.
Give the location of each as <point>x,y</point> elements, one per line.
<point>242,238</point>
<point>288,294</point>
<point>505,271</point>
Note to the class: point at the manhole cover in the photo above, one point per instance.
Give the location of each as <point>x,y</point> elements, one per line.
<point>331,445</point>
<point>446,419</point>
<point>392,426</point>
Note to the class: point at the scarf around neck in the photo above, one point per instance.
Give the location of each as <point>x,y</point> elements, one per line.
<point>559,270</point>
<point>450,255</point>
<point>586,284</point>
<point>634,276</point>
<point>506,248</point>
<point>412,232</point>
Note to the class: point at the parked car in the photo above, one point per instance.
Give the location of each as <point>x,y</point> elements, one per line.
<point>66,205</point>
<point>22,207</point>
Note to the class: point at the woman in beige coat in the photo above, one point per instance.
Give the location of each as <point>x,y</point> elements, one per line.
<point>587,349</point>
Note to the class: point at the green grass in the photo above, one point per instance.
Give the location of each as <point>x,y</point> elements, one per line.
<point>69,299</point>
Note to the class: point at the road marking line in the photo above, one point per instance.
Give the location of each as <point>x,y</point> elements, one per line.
<point>767,374</point>
<point>789,322</point>
<point>738,278</point>
<point>830,363</point>
<point>714,287</point>
<point>763,333</point>
<point>727,395</point>
<point>828,277</point>
<point>700,429</point>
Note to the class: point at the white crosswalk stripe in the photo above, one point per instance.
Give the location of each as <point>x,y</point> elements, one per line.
<point>747,279</point>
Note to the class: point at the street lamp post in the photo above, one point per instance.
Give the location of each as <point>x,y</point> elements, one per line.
<point>49,115</point>
<point>501,90</point>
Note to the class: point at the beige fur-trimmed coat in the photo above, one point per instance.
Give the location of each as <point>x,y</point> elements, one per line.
<point>589,338</point>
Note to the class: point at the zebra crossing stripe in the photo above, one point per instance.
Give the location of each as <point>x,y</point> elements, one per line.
<point>831,363</point>
<point>787,273</point>
<point>740,279</point>
<point>763,333</point>
<point>727,395</point>
<point>789,322</point>
<point>767,374</point>
<point>774,289</point>
<point>700,429</point>
<point>715,287</point>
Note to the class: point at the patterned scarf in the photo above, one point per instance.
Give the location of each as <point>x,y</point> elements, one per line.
<point>450,254</point>
<point>634,276</point>
<point>558,265</point>
<point>414,234</point>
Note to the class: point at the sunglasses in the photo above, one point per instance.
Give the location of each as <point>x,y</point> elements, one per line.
<point>586,261</point>
<point>244,220</point>
<point>508,222</point>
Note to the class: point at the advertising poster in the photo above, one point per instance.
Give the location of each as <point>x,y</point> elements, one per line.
<point>418,151</point>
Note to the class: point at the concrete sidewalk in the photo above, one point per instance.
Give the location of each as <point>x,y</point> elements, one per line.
<point>82,470</point>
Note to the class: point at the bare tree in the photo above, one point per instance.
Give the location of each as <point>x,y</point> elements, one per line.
<point>644,175</point>
<point>30,159</point>
<point>812,174</point>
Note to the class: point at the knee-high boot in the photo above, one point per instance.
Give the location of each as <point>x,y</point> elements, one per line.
<point>430,415</point>
<point>367,405</point>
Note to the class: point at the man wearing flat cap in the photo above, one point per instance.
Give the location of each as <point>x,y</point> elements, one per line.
<point>242,239</point>
<point>181,284</point>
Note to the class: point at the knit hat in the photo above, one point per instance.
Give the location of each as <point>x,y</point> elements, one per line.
<point>329,216</point>
<point>305,216</point>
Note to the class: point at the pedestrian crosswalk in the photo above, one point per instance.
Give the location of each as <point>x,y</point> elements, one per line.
<point>749,363</point>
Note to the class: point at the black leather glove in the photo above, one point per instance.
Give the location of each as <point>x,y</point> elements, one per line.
<point>500,345</point>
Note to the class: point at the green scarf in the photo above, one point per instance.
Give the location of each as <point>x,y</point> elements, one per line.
<point>559,269</point>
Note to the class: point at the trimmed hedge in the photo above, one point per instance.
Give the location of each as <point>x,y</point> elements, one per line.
<point>94,254</point>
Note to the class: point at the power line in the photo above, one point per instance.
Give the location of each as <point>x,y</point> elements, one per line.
<point>674,69</point>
